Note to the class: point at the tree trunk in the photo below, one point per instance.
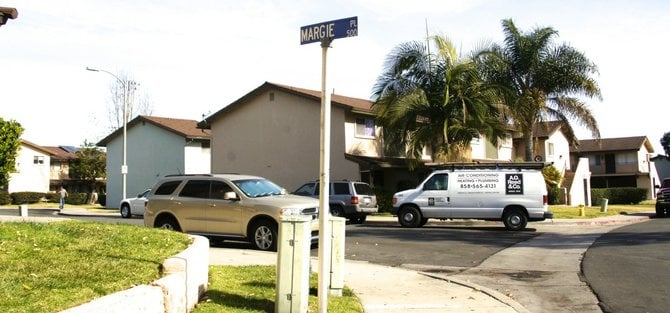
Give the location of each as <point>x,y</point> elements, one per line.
<point>528,140</point>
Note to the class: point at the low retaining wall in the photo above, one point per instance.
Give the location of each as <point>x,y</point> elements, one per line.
<point>186,278</point>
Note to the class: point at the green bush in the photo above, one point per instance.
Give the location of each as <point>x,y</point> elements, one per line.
<point>554,194</point>
<point>24,197</point>
<point>76,198</point>
<point>5,198</point>
<point>621,195</point>
<point>384,199</point>
<point>53,197</point>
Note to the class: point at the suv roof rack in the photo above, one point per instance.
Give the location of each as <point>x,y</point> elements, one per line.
<point>497,165</point>
<point>173,175</point>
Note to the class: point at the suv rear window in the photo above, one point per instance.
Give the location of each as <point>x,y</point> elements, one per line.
<point>168,187</point>
<point>363,189</point>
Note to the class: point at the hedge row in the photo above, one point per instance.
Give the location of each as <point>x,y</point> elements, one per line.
<point>26,197</point>
<point>622,195</point>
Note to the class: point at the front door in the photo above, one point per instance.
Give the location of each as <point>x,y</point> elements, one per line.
<point>610,164</point>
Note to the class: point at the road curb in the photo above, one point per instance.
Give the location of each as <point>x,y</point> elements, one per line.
<point>488,291</point>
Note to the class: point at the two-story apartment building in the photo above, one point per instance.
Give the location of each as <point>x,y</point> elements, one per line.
<point>550,143</point>
<point>274,131</point>
<point>619,162</point>
<point>156,146</point>
<point>45,169</point>
<point>32,169</point>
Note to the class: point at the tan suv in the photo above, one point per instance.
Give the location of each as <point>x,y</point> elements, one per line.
<point>226,206</point>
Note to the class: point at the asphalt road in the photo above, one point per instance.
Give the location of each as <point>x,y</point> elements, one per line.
<point>629,268</point>
<point>429,245</point>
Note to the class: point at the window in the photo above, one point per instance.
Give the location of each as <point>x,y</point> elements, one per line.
<point>195,189</point>
<point>168,187</point>
<point>437,182</point>
<point>550,149</point>
<point>340,188</point>
<point>307,190</point>
<point>219,188</point>
<point>365,127</point>
<point>38,159</point>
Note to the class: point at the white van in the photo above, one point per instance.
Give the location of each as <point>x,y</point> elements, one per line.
<point>514,196</point>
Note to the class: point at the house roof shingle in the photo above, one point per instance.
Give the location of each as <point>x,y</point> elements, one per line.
<point>35,146</point>
<point>350,103</point>
<point>60,153</point>
<point>186,128</point>
<point>614,144</point>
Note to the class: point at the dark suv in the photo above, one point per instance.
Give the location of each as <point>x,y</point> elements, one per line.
<point>349,199</point>
<point>663,199</point>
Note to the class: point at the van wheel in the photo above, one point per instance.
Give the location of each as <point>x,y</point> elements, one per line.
<point>168,222</point>
<point>515,220</point>
<point>264,236</point>
<point>423,221</point>
<point>660,211</point>
<point>410,217</point>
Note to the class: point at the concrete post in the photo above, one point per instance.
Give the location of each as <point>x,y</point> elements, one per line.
<point>23,210</point>
<point>337,226</point>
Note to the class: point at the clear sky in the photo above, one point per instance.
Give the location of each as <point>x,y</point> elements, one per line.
<point>195,57</point>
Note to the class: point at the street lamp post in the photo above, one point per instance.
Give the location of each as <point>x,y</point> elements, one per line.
<point>124,166</point>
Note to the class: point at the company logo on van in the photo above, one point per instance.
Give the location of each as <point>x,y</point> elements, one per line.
<point>514,184</point>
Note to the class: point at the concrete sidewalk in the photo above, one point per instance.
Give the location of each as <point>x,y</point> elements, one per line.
<point>392,289</point>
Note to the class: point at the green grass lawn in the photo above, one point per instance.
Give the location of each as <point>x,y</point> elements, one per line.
<point>561,211</point>
<point>246,289</point>
<point>48,267</point>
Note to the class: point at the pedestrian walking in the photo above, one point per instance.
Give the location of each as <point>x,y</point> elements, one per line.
<point>63,195</point>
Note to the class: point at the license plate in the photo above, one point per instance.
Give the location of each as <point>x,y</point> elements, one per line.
<point>367,201</point>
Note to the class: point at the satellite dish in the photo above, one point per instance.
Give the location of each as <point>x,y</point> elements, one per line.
<point>538,158</point>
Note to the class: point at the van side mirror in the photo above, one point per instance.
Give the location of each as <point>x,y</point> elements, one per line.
<point>230,195</point>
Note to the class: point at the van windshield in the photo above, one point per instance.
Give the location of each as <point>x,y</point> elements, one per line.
<point>255,188</point>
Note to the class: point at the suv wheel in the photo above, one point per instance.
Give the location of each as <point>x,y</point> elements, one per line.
<point>264,236</point>
<point>336,211</point>
<point>125,210</point>
<point>410,217</point>
<point>360,219</point>
<point>168,222</point>
<point>515,219</point>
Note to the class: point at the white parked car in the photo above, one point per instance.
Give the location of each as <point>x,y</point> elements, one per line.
<point>134,206</point>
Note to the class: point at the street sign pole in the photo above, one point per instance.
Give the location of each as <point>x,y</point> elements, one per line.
<point>325,33</point>
<point>325,233</point>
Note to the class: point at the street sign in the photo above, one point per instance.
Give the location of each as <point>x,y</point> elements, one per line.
<point>346,27</point>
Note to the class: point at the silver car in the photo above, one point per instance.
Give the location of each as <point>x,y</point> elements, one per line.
<point>134,206</point>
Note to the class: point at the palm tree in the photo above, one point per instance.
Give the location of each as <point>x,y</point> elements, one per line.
<point>541,81</point>
<point>433,100</point>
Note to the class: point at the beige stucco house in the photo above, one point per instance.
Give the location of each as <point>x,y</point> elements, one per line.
<point>274,131</point>
<point>619,162</point>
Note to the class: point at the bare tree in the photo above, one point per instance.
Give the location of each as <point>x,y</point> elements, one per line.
<point>122,90</point>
